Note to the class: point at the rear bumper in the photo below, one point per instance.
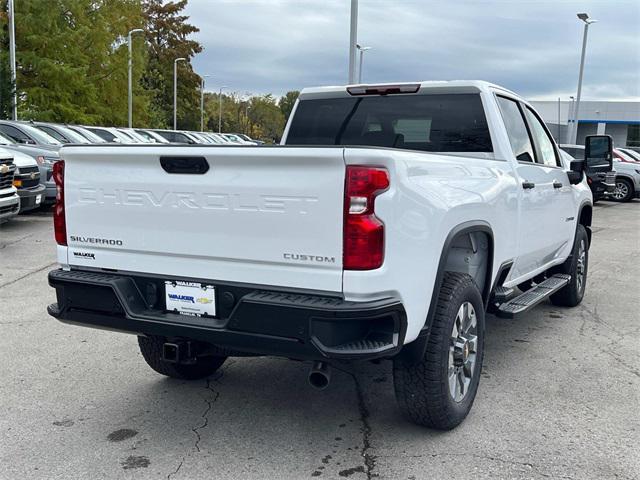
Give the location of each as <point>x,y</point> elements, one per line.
<point>251,320</point>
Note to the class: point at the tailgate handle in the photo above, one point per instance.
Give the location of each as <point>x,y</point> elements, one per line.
<point>185,165</point>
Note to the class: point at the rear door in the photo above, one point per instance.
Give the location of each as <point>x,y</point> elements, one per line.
<point>269,216</point>
<point>540,231</point>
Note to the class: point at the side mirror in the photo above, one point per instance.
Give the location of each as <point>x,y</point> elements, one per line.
<point>598,151</point>
<point>575,172</point>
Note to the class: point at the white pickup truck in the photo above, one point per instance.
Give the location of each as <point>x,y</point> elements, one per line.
<point>388,222</point>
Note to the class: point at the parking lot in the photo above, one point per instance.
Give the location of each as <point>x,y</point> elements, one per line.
<point>559,395</point>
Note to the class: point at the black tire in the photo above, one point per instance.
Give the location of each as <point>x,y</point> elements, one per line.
<point>577,265</point>
<point>423,389</point>
<point>623,192</point>
<point>151,349</point>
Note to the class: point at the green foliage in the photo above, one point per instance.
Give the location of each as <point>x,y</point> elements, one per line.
<point>167,33</point>
<point>287,102</point>
<point>257,116</point>
<point>6,86</point>
<point>72,60</point>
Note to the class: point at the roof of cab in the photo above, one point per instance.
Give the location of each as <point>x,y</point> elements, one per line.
<point>442,86</point>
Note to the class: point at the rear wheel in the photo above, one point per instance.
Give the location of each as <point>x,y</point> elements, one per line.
<point>439,390</point>
<point>151,350</point>
<point>577,266</point>
<point>623,191</point>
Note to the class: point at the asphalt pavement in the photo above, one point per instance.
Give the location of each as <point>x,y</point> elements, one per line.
<point>559,395</point>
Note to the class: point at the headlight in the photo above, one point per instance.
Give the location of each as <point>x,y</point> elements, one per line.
<point>47,161</point>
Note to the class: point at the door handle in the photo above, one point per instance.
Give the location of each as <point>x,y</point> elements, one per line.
<point>528,185</point>
<point>557,184</point>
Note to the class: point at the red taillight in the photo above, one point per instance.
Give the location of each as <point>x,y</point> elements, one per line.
<point>363,231</point>
<point>59,220</point>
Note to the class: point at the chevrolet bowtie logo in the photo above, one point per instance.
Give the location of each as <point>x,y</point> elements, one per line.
<point>33,175</point>
<point>4,168</point>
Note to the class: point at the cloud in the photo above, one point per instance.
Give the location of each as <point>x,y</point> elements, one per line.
<point>531,47</point>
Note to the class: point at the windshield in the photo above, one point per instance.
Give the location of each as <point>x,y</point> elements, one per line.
<point>433,123</point>
<point>39,136</point>
<point>63,134</point>
<point>92,137</point>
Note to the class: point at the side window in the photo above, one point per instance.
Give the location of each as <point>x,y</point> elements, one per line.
<point>545,153</point>
<point>516,130</point>
<point>14,133</point>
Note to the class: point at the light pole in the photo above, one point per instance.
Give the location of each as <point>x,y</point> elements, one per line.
<point>587,21</point>
<point>12,59</point>
<point>220,109</point>
<point>202,101</point>
<point>362,50</point>
<point>353,39</point>
<point>175,91</point>
<point>135,30</point>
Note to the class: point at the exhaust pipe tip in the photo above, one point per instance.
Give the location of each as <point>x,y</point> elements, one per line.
<point>319,376</point>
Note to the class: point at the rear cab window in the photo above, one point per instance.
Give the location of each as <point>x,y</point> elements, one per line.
<point>425,122</point>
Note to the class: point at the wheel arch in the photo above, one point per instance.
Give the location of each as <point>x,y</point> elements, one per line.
<point>585,217</point>
<point>456,238</point>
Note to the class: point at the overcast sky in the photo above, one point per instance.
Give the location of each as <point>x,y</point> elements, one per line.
<point>531,47</point>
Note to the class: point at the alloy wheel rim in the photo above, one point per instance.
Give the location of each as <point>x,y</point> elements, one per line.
<point>463,349</point>
<point>581,265</point>
<point>620,191</point>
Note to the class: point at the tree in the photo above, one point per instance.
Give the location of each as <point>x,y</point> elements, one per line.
<point>287,102</point>
<point>71,64</point>
<point>6,86</point>
<point>167,34</point>
<point>267,118</point>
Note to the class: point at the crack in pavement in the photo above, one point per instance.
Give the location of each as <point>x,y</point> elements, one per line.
<point>5,245</point>
<point>11,282</point>
<point>176,470</point>
<point>205,414</point>
<point>369,459</point>
<point>205,417</point>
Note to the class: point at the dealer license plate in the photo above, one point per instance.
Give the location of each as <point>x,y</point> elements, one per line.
<point>189,298</point>
<point>38,199</point>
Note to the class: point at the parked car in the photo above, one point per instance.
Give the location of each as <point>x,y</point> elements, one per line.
<point>236,139</point>
<point>9,199</point>
<point>627,177</point>
<point>175,136</point>
<point>61,133</point>
<point>135,135</point>
<point>44,155</point>
<point>600,174</point>
<point>222,140</point>
<point>247,138</point>
<point>404,213</point>
<point>111,135</point>
<point>630,153</point>
<point>152,136</point>
<point>27,181</point>
<point>92,137</point>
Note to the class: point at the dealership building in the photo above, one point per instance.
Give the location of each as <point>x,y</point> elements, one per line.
<point>621,120</point>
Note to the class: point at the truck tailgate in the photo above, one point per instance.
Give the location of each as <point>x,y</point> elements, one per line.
<point>259,215</point>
